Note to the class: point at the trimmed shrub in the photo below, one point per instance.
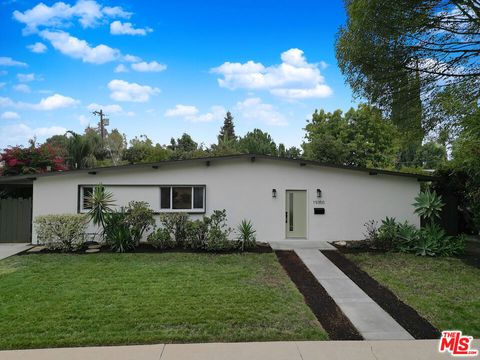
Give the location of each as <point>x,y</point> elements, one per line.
<point>161,239</point>
<point>138,218</point>
<point>61,232</point>
<point>197,233</point>
<point>219,233</point>
<point>176,225</point>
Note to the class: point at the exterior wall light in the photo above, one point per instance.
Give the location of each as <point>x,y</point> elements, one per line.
<point>319,193</point>
<point>274,193</point>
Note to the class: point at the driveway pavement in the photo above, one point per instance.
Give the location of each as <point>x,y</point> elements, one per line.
<point>9,249</point>
<point>295,350</point>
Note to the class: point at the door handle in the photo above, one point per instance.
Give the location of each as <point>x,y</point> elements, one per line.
<point>286,217</point>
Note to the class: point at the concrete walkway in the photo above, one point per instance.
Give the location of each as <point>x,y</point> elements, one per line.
<point>300,244</point>
<point>9,249</point>
<point>366,315</point>
<point>295,350</point>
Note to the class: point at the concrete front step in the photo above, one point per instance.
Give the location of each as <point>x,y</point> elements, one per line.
<point>372,322</point>
<point>300,244</point>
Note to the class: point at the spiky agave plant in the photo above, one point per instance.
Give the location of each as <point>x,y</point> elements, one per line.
<point>246,235</point>
<point>428,204</point>
<point>100,202</point>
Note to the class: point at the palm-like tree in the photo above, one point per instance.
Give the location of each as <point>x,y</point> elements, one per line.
<point>80,151</point>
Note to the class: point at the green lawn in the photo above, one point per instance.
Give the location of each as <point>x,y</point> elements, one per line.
<point>445,291</point>
<point>51,300</point>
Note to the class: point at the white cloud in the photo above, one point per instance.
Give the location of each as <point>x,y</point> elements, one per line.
<point>6,101</point>
<point>124,91</point>
<point>191,113</point>
<point>88,13</point>
<point>152,66</point>
<point>21,133</point>
<point>216,113</point>
<point>319,91</point>
<point>37,48</point>
<point>119,28</point>
<point>294,78</point>
<point>8,61</point>
<point>26,77</point>
<point>10,115</point>
<point>131,58</point>
<point>52,102</point>
<point>256,110</point>
<point>120,68</point>
<point>2,84</point>
<point>181,110</point>
<point>24,88</point>
<point>80,49</point>
<point>111,109</point>
<point>116,11</point>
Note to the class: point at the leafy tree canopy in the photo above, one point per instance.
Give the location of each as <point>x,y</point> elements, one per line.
<point>361,137</point>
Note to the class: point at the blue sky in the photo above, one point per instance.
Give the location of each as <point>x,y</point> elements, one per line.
<point>162,68</point>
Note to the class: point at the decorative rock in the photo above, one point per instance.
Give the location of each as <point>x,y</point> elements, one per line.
<point>97,246</point>
<point>91,251</point>
<point>341,243</point>
<point>36,249</point>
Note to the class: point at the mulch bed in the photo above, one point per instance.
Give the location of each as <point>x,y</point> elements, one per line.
<point>261,248</point>
<point>406,316</point>
<point>333,320</point>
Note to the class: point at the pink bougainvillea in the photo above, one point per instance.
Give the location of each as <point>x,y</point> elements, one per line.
<point>18,160</point>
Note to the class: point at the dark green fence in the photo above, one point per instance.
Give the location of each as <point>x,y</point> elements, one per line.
<point>16,220</point>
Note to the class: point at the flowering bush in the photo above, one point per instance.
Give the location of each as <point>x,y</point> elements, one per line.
<point>18,160</point>
<point>61,232</point>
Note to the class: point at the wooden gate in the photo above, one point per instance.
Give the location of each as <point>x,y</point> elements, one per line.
<point>16,220</point>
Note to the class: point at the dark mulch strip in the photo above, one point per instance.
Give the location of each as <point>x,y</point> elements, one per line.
<point>406,316</point>
<point>261,248</point>
<point>333,320</point>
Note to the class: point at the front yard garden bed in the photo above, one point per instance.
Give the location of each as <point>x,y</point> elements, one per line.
<point>444,291</point>
<point>334,321</point>
<point>55,300</point>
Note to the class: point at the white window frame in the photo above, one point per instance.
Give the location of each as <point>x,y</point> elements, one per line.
<point>191,210</point>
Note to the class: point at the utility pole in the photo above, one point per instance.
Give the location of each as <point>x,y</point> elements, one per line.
<point>103,122</point>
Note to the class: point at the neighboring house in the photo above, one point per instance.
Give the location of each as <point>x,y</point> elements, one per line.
<point>284,198</point>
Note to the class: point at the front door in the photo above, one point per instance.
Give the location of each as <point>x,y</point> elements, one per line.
<point>296,214</point>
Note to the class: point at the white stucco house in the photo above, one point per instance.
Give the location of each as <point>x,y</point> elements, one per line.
<point>284,198</point>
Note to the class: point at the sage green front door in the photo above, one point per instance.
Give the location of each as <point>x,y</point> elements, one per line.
<point>296,214</point>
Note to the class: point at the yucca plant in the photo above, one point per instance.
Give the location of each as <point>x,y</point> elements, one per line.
<point>428,205</point>
<point>100,203</point>
<point>246,235</point>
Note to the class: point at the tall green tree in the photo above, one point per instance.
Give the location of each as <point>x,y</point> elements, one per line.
<point>227,131</point>
<point>360,137</point>
<point>257,142</point>
<point>398,54</point>
<point>80,151</point>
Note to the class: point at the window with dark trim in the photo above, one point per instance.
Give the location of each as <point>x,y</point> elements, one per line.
<point>182,198</point>
<point>85,193</point>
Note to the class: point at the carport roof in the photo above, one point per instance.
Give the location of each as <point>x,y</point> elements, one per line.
<point>29,178</point>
